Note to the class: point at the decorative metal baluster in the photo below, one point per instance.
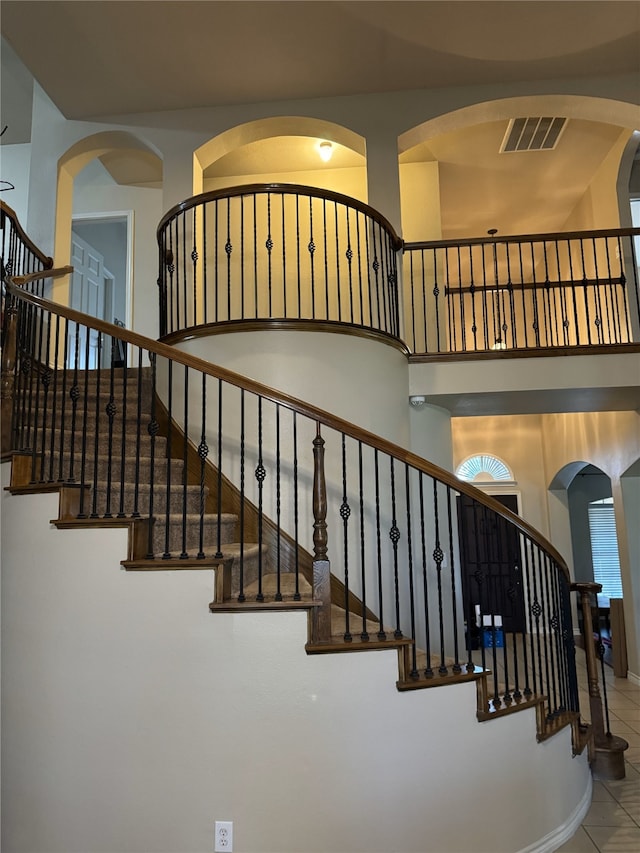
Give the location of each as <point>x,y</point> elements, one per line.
<point>472,291</point>
<point>619,252</point>
<point>428,670</point>
<point>360,283</point>
<point>528,610</point>
<point>278,595</point>
<point>338,287</point>
<point>205,265</point>
<point>454,603</point>
<point>550,673</point>
<point>536,612</point>
<point>185,282</point>
<point>597,297</point>
<point>255,255</point>
<point>548,333</point>
<point>260,474</point>
<point>123,457</point>
<point>228,248</point>
<point>523,307</point>
<point>185,459</point>
<point>74,393</point>
<point>166,554</point>
<point>242,254</point>
<point>136,487</point>
<point>349,256</point>
<point>375,266</point>
<point>241,596</point>
<point>394,536</point>
<point>216,267</point>
<point>485,300</point>
<point>381,632</point>
<point>296,595</point>
<point>326,258</point>
<point>152,428</point>
<point>345,512</point>
<point>312,249</point>
<point>585,291</point>
<point>219,475</point>
<point>512,313</point>
<point>85,412</point>
<point>284,259</point>
<point>96,435</point>
<point>54,413</point>
<point>364,634</point>
<point>170,268</point>
<point>43,372</point>
<point>269,247</point>
<point>63,419</point>
<point>203,452</point>
<point>299,279</point>
<point>438,557</point>
<point>194,261</point>
<point>451,322</point>
<point>412,609</point>
<point>436,301</point>
<point>111,413</point>
<point>563,297</point>
<point>613,305</point>
<point>463,338</point>
<point>558,640</point>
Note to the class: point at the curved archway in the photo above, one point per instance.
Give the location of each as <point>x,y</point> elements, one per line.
<point>115,149</point>
<point>131,163</point>
<point>476,185</point>
<point>259,151</point>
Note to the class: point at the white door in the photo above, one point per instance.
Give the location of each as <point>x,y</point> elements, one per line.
<point>88,294</point>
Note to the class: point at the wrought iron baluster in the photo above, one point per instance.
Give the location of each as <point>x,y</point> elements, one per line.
<point>311,248</point>
<point>96,435</point>
<point>185,458</point>
<point>454,603</point>
<point>136,488</point>
<point>438,557</point>
<point>241,595</point>
<point>278,595</point>
<point>364,634</point>
<point>219,475</point>
<point>296,595</point>
<point>428,669</point>
<point>203,452</point>
<point>152,428</point>
<point>260,474</point>
<point>166,555</point>
<point>412,607</point>
<point>381,632</point>
<point>54,413</point>
<point>111,413</point>
<point>394,536</point>
<point>345,513</point>
<point>269,247</point>
<point>123,478</point>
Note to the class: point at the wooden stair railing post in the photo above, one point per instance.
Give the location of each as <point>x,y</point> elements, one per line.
<point>9,356</point>
<point>321,566</point>
<point>609,749</point>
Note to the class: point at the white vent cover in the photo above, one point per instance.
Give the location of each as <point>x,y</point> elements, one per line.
<point>532,134</point>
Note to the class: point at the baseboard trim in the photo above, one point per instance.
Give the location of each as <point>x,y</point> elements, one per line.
<point>563,833</point>
<point>633,678</point>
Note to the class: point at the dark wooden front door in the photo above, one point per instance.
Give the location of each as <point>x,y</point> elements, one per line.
<point>491,564</point>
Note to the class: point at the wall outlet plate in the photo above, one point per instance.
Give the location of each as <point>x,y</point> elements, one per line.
<point>224,836</point>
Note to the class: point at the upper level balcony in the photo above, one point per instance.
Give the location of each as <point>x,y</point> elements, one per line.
<point>287,256</point>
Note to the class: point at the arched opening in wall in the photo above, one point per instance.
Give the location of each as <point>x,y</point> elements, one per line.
<point>285,149</point>
<point>501,165</point>
<point>586,491</point>
<point>513,167</point>
<point>105,182</point>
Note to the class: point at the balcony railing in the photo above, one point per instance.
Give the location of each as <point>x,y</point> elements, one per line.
<point>543,291</point>
<point>277,252</point>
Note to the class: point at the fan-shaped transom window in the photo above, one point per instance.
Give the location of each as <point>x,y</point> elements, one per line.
<point>483,467</point>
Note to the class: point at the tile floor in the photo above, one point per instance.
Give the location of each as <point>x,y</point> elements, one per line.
<point>612,824</point>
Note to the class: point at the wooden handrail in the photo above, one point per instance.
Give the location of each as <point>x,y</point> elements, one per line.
<point>292,403</point>
<point>10,214</point>
<point>550,236</point>
<point>281,189</point>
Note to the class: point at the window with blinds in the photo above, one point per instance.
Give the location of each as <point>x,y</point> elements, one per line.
<point>604,550</point>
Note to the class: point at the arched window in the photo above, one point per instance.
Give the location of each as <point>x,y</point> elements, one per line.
<point>483,467</point>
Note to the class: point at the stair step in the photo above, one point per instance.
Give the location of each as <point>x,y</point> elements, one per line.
<point>139,499</point>
<point>228,523</point>
<point>161,468</point>
<point>68,438</point>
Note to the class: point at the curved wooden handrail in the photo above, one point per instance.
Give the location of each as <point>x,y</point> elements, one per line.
<point>293,403</point>
<point>10,214</point>
<point>281,189</point>
<point>521,238</point>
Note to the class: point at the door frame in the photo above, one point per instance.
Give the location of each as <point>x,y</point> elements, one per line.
<point>112,216</point>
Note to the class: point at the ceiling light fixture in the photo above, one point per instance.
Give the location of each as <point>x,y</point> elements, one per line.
<point>325,150</point>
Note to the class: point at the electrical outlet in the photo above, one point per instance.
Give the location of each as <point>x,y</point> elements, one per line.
<point>224,836</point>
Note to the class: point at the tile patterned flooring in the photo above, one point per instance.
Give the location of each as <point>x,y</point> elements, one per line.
<point>612,824</point>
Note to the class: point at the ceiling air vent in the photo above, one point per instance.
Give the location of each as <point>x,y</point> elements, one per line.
<point>532,134</point>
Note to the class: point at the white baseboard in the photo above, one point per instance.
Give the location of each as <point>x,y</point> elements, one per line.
<point>563,833</point>
<point>633,678</point>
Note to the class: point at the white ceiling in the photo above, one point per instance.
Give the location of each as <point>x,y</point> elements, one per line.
<point>98,58</point>
<point>105,59</point>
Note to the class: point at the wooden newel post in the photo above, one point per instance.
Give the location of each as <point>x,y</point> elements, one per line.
<point>609,749</point>
<point>321,566</point>
<point>9,355</point>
